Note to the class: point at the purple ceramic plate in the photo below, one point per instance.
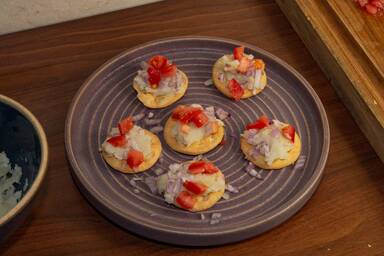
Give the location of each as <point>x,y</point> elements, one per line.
<point>261,204</point>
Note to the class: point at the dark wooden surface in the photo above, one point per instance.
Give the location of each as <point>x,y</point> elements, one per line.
<point>43,68</point>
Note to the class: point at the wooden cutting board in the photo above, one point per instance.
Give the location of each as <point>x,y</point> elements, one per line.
<point>348,44</point>
<point>366,30</point>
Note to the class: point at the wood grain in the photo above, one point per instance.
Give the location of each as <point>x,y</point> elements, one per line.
<point>43,68</point>
<point>344,62</point>
<point>366,30</point>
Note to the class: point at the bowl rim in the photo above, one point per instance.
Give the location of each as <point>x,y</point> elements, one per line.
<point>25,200</point>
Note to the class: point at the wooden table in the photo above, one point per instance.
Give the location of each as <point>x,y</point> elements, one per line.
<point>43,69</point>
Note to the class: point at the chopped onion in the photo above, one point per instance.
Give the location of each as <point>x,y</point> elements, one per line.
<point>152,121</point>
<point>136,191</point>
<point>159,171</point>
<point>249,167</point>
<point>221,77</point>
<point>255,152</point>
<point>137,178</point>
<point>132,182</point>
<point>258,79</point>
<point>138,117</point>
<point>215,218</point>
<point>151,183</point>
<point>198,158</point>
<point>300,162</point>
<point>150,115</point>
<point>226,196</point>
<point>215,221</point>
<point>202,217</point>
<point>156,129</point>
<point>222,114</point>
<point>208,82</point>
<point>231,189</point>
<point>161,159</point>
<point>275,132</point>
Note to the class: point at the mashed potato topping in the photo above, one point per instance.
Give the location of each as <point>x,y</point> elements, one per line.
<point>8,178</point>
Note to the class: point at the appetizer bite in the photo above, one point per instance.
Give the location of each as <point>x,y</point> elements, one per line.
<point>270,144</point>
<point>193,130</point>
<point>159,83</point>
<point>239,75</point>
<point>193,186</point>
<point>130,148</point>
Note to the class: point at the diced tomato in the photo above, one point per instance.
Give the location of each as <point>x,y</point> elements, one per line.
<point>196,167</point>
<point>379,4</point>
<point>117,141</point>
<point>289,133</point>
<point>200,119</point>
<point>185,114</point>
<point>125,125</point>
<point>135,158</point>
<point>235,89</point>
<point>371,9</point>
<point>238,52</point>
<point>210,168</point>
<point>243,66</point>
<point>158,62</point>
<point>260,123</point>
<point>202,167</point>
<point>222,142</point>
<point>154,76</point>
<point>168,70</point>
<point>185,200</point>
<point>194,187</point>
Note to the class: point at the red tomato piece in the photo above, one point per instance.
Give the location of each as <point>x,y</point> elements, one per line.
<point>379,4</point>
<point>168,70</point>
<point>117,141</point>
<point>185,113</point>
<point>202,167</point>
<point>210,168</point>
<point>158,62</point>
<point>194,187</point>
<point>260,123</point>
<point>196,167</point>
<point>154,76</point>
<point>238,52</point>
<point>135,158</point>
<point>125,125</point>
<point>235,89</point>
<point>289,133</point>
<point>200,119</point>
<point>371,9</point>
<point>185,200</point>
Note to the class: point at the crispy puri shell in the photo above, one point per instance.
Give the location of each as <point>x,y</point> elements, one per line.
<point>122,166</point>
<point>207,201</point>
<point>223,88</point>
<point>277,164</point>
<point>151,101</point>
<point>196,148</point>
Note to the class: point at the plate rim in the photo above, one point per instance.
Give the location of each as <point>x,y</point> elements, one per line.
<point>292,206</point>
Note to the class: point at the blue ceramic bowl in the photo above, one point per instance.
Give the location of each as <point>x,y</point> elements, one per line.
<point>23,140</point>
